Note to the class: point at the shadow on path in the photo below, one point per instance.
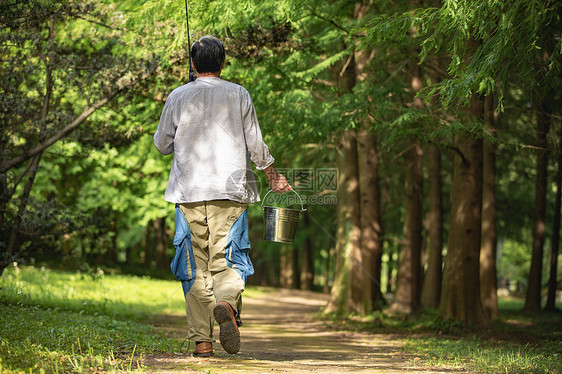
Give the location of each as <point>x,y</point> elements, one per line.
<point>279,336</point>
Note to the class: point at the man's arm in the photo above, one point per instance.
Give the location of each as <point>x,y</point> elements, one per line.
<point>277,182</point>
<point>164,135</point>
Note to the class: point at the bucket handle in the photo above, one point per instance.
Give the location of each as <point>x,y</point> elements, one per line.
<point>302,206</point>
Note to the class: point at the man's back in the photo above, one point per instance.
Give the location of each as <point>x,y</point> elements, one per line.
<point>211,125</point>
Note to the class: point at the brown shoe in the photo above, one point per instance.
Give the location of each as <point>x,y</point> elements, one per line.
<point>229,333</point>
<point>203,349</point>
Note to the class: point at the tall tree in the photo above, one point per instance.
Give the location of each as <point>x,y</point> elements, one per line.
<point>431,289</point>
<point>340,288</point>
<point>486,53</point>
<point>344,76</point>
<point>544,107</point>
<point>408,285</point>
<point>460,296</point>
<point>289,274</point>
<point>533,298</point>
<point>371,224</point>
<point>307,260</point>
<point>369,187</point>
<point>358,296</point>
<point>488,272</point>
<point>555,245</point>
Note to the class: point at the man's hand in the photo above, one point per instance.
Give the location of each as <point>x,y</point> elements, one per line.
<point>277,182</point>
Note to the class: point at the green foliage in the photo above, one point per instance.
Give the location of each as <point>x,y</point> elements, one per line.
<point>97,192</point>
<point>62,58</point>
<point>487,44</point>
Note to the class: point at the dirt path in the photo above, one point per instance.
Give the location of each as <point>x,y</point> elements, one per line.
<point>279,336</point>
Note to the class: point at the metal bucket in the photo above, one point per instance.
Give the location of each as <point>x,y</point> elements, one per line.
<point>281,223</point>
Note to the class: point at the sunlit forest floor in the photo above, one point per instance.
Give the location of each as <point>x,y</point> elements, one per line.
<point>62,322</point>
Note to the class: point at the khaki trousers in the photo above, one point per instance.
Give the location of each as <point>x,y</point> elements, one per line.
<point>218,277</point>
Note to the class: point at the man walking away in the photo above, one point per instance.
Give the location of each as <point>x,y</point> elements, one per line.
<point>211,127</point>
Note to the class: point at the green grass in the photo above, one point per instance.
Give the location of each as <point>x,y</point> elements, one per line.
<point>516,342</point>
<point>95,293</point>
<point>483,356</point>
<point>59,322</point>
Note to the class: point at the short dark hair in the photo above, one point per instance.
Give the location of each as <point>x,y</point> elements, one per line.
<point>207,54</point>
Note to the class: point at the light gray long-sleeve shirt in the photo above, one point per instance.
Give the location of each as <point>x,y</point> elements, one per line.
<point>211,127</point>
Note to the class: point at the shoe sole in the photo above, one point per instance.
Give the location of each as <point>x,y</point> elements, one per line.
<point>229,333</point>
<point>209,354</point>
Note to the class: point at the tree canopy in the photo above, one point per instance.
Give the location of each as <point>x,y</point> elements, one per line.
<point>83,84</point>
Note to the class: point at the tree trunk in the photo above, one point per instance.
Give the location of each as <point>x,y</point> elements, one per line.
<point>358,299</point>
<point>533,299</point>
<point>294,256</point>
<point>327,272</point>
<point>407,296</point>
<point>408,286</point>
<point>12,240</point>
<point>289,275</point>
<point>348,292</point>
<point>552,280</point>
<point>488,246</point>
<point>431,292</point>
<point>369,195</point>
<point>371,227</point>
<point>348,297</point>
<point>307,267</point>
<point>148,254</point>
<point>161,244</point>
<point>285,274</point>
<point>389,276</point>
<point>460,296</point>
<point>4,190</point>
<point>340,287</point>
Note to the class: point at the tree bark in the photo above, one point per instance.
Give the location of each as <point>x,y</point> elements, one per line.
<point>289,274</point>
<point>431,292</point>
<point>408,285</point>
<point>340,287</point>
<point>307,260</point>
<point>389,273</point>
<point>460,296</point>
<point>149,244</point>
<point>349,296</point>
<point>357,297</point>
<point>284,271</point>
<point>161,244</point>
<point>552,279</point>
<point>371,226</point>
<point>12,240</point>
<point>294,256</point>
<point>533,297</point>
<point>488,246</point>
<point>4,192</point>
<point>369,189</point>
<point>348,290</point>
<point>327,272</point>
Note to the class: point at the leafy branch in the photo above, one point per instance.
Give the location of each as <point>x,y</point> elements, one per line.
<point>88,110</point>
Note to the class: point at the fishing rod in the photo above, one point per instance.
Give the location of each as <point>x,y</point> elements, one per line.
<point>191,78</point>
